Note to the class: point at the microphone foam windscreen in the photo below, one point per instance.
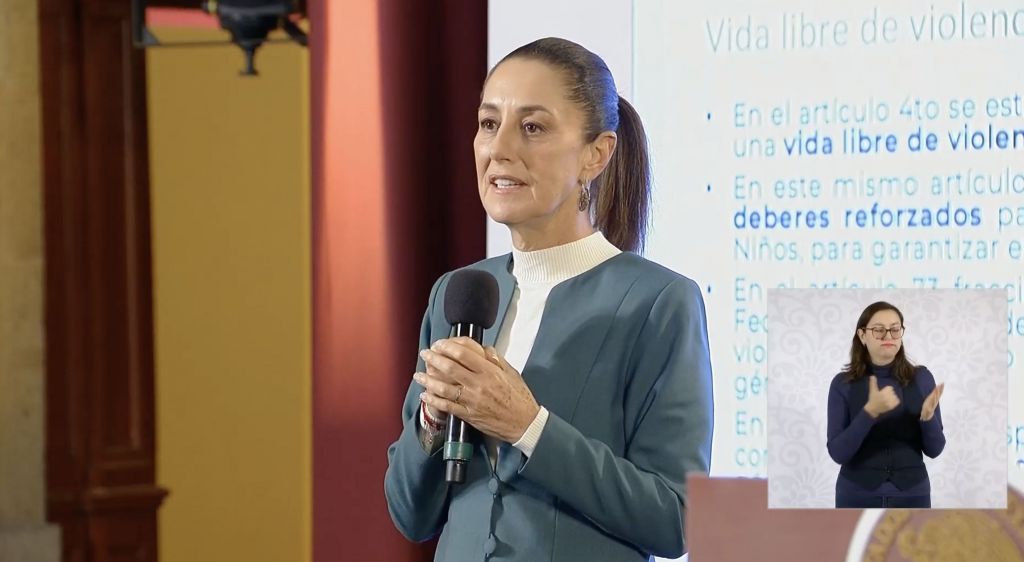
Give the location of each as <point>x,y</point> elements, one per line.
<point>471,298</point>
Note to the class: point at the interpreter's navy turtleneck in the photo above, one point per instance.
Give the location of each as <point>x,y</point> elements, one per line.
<point>847,430</point>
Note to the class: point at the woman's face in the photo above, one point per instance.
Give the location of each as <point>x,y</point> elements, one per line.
<point>882,350</point>
<point>530,151</point>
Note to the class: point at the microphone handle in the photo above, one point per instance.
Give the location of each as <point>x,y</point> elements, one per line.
<point>458,443</point>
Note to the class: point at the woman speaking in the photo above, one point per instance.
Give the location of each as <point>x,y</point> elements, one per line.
<point>883,413</point>
<point>593,389</point>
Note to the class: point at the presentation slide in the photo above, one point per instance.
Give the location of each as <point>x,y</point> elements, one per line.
<point>834,145</point>
<point>801,144</point>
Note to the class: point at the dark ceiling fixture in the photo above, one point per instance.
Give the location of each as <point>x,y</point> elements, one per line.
<point>248,21</point>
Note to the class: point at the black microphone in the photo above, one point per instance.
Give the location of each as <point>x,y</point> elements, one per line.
<point>470,306</point>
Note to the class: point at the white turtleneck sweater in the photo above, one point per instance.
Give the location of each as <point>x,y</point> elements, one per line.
<point>536,274</point>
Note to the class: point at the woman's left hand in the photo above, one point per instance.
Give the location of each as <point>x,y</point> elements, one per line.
<point>931,402</point>
<point>478,386</point>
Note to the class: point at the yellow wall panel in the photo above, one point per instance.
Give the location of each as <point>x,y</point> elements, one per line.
<point>230,184</point>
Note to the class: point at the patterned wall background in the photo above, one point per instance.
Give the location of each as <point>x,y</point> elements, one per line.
<point>959,335</point>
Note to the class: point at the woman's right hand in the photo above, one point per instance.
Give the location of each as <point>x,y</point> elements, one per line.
<point>436,414</point>
<point>880,401</point>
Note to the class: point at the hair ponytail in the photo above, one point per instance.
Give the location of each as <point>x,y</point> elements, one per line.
<point>623,193</point>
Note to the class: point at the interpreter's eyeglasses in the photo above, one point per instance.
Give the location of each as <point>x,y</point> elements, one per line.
<point>894,333</point>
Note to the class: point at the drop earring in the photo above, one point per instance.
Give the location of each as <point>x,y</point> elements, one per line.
<point>584,202</point>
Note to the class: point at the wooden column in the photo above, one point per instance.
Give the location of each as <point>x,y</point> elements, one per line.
<point>100,450</point>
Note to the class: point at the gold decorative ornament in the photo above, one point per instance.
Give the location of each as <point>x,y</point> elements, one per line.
<point>950,535</point>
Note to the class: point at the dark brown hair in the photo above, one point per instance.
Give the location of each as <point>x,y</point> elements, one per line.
<point>622,192</point>
<point>860,360</point>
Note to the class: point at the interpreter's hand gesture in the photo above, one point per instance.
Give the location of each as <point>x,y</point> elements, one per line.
<point>478,386</point>
<point>931,402</point>
<point>880,401</point>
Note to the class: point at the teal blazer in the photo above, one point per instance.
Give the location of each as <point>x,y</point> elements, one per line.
<point>621,362</point>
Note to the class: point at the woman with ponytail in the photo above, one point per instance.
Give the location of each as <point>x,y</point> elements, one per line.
<point>592,391</point>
